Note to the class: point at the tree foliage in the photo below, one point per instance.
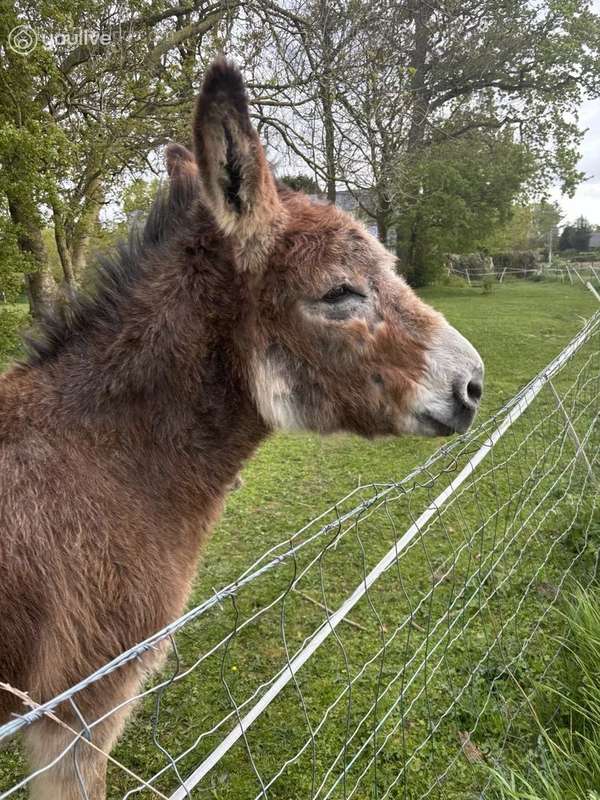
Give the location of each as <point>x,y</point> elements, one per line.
<point>301,183</point>
<point>529,226</point>
<point>410,76</point>
<point>462,190</point>
<point>78,116</point>
<point>576,237</point>
<point>386,100</point>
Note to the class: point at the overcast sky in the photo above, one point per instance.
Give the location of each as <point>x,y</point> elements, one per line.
<point>586,200</point>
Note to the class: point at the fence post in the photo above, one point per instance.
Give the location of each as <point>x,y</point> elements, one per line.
<point>593,291</point>
<point>579,276</point>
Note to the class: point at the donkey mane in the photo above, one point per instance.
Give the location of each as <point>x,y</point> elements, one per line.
<point>115,274</point>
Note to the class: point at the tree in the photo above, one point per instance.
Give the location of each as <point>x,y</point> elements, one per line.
<point>529,226</point>
<point>582,234</point>
<point>467,188</point>
<point>516,233</point>
<point>78,116</point>
<point>14,263</point>
<point>567,238</point>
<point>501,66</point>
<point>359,94</point>
<point>414,75</point>
<point>546,218</point>
<point>301,183</point>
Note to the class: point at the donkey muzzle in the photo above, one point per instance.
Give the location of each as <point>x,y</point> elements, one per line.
<point>452,387</point>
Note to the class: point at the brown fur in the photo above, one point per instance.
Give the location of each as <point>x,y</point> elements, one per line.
<point>122,433</point>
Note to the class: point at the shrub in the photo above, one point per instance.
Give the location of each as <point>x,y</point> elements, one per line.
<point>583,258</point>
<point>456,281</point>
<point>488,283</point>
<point>473,265</point>
<point>12,320</point>
<point>519,263</point>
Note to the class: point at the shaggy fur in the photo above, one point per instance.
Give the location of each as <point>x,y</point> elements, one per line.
<point>238,309</point>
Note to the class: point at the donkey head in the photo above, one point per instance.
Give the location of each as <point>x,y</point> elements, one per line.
<point>330,338</point>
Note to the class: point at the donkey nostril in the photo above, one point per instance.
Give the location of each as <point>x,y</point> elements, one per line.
<point>474,391</point>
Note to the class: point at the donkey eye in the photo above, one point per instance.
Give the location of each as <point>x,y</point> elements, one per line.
<point>340,293</point>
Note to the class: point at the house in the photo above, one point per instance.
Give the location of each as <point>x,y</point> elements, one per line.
<point>594,241</point>
<point>347,201</point>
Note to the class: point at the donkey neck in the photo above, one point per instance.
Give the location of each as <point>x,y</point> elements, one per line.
<point>162,388</point>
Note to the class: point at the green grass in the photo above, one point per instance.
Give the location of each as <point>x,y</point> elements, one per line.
<point>566,764</point>
<point>517,328</point>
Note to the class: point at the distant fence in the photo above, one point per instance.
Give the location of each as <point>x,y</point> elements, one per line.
<point>390,648</point>
<point>571,273</point>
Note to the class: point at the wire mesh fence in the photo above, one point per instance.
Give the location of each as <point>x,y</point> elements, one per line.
<point>579,274</point>
<point>391,647</point>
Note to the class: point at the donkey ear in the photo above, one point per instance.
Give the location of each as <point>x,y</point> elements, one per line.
<point>180,161</point>
<point>237,184</point>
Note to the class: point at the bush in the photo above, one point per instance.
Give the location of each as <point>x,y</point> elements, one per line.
<point>488,283</point>
<point>519,263</point>
<point>583,258</point>
<point>456,281</point>
<point>473,265</point>
<point>12,320</point>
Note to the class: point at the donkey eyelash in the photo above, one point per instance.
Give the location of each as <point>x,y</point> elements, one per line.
<point>341,292</point>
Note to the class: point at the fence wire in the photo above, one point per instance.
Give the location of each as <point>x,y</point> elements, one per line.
<point>391,647</point>
<point>585,274</point>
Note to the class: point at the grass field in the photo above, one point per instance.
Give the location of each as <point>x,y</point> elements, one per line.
<point>568,767</point>
<point>517,329</point>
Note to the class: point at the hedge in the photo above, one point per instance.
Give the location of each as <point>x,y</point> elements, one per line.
<point>12,320</point>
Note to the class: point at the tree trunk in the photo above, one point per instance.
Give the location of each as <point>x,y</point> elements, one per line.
<point>82,230</point>
<point>421,96</point>
<point>63,249</point>
<point>416,268</point>
<point>417,273</point>
<point>41,292</point>
<point>326,94</point>
<point>382,215</point>
<point>382,228</point>
<point>329,130</point>
<point>41,289</point>
<point>79,254</point>
<point>400,251</point>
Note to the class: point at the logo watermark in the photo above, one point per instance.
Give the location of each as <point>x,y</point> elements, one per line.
<point>23,39</point>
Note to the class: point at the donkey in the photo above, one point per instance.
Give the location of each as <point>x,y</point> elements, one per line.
<point>243,308</point>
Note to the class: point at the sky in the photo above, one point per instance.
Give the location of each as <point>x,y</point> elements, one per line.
<point>586,200</point>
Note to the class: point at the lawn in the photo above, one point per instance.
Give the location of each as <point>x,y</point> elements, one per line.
<point>518,329</point>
